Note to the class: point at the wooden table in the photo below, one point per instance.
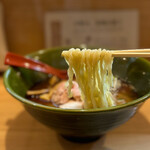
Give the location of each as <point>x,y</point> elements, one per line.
<point>19,131</point>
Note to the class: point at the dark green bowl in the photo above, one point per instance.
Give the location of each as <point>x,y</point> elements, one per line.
<point>80,125</point>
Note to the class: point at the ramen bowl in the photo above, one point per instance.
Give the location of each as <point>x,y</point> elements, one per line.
<point>80,125</point>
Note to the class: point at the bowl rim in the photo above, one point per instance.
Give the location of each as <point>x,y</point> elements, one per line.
<point>49,108</point>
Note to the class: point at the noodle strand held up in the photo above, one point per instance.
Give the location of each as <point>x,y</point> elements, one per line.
<point>93,72</point>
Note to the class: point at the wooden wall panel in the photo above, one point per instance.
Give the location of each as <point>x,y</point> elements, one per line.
<point>24,19</point>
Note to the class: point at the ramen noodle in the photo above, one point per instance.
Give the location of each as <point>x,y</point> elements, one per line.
<point>93,72</point>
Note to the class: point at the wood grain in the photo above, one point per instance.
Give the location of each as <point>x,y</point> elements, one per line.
<point>19,131</point>
<point>24,19</point>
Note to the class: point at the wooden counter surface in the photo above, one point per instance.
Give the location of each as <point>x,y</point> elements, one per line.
<point>19,131</point>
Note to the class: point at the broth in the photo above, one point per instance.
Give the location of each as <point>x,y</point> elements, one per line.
<point>125,93</point>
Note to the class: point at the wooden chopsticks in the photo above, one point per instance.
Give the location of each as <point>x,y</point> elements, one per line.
<point>131,53</point>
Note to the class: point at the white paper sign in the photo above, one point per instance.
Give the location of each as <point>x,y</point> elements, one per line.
<point>105,29</point>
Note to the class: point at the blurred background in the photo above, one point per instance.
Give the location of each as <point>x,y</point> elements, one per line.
<point>30,25</point>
